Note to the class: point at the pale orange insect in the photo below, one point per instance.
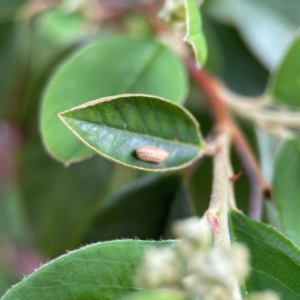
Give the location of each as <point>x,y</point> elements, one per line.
<point>151,154</point>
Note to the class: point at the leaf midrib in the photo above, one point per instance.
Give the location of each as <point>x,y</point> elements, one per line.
<point>198,147</point>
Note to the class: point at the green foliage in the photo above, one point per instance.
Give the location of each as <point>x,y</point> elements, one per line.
<point>194,35</point>
<point>275,260</point>
<point>100,271</point>
<point>108,79</point>
<point>287,189</point>
<point>156,295</point>
<point>58,200</point>
<point>115,126</point>
<point>184,17</point>
<point>278,19</point>
<point>90,75</point>
<point>145,209</point>
<point>285,86</point>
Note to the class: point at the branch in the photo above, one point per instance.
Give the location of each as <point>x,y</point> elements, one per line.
<point>222,195</point>
<point>258,187</point>
<point>218,207</point>
<point>254,110</point>
<point>210,87</point>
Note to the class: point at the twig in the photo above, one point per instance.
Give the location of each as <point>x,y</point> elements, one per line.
<point>258,186</point>
<point>218,207</point>
<point>210,86</point>
<point>222,196</point>
<point>223,120</point>
<point>254,109</point>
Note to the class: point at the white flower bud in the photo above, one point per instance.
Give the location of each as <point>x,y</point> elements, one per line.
<point>161,267</point>
<point>221,265</point>
<point>194,233</point>
<point>266,295</point>
<point>206,290</point>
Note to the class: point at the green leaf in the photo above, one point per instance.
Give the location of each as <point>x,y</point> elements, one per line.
<point>184,15</point>
<point>105,68</point>
<point>156,295</point>
<point>267,26</point>
<point>144,210</point>
<point>286,189</point>
<point>59,27</point>
<point>241,71</point>
<point>275,260</point>
<point>100,271</point>
<point>115,126</point>
<point>285,82</point>
<point>53,36</point>
<point>57,200</point>
<point>194,34</point>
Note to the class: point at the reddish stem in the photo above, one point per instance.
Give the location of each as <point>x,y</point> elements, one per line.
<point>258,187</point>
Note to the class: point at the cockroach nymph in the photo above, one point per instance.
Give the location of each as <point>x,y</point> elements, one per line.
<point>151,154</point>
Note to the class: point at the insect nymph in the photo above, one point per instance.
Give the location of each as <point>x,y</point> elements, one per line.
<point>151,154</point>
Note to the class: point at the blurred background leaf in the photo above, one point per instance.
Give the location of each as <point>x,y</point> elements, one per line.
<point>106,68</point>
<point>144,210</point>
<point>285,84</point>
<point>286,185</point>
<point>9,9</point>
<point>57,198</point>
<point>267,26</point>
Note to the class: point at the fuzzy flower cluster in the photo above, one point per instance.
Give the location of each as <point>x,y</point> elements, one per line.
<point>196,268</point>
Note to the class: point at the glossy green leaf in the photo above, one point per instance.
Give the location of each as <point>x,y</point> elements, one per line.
<point>115,126</point>
<point>286,189</point>
<point>101,271</point>
<point>57,199</point>
<point>194,34</point>
<point>105,68</point>
<point>275,260</point>
<point>144,210</point>
<point>285,83</point>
